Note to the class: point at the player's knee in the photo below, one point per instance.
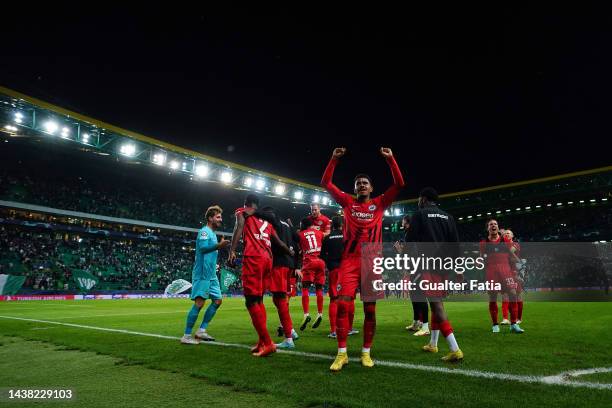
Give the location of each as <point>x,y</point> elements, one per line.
<point>218,303</point>
<point>279,295</point>
<point>250,300</point>
<point>199,302</point>
<point>369,309</point>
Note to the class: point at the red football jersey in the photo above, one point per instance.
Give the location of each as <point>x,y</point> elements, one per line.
<point>362,221</point>
<point>321,223</point>
<point>310,242</point>
<point>256,235</point>
<point>498,251</point>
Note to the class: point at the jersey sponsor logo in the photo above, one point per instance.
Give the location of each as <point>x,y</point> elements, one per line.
<point>437,216</point>
<point>362,215</point>
<point>372,207</point>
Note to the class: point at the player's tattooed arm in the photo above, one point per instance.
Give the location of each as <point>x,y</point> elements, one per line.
<point>238,228</point>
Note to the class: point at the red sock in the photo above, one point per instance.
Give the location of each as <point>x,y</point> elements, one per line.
<point>369,324</point>
<point>333,311</point>
<point>513,312</point>
<point>493,311</point>
<point>258,316</point>
<point>351,313</point>
<point>254,313</point>
<point>320,301</point>
<point>342,323</point>
<point>505,305</point>
<point>284,316</point>
<point>264,324</point>
<point>305,300</point>
<point>520,309</point>
<point>433,322</point>
<point>445,328</point>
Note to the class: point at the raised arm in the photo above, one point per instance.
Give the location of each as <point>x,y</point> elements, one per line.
<point>326,182</point>
<point>398,179</point>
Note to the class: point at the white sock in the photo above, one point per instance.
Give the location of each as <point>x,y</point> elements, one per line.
<point>293,331</point>
<point>319,315</point>
<point>365,350</point>
<point>289,340</point>
<point>341,349</point>
<point>425,326</point>
<point>306,314</point>
<point>452,343</point>
<point>435,334</point>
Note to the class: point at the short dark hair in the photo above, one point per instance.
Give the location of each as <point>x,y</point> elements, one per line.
<point>430,194</point>
<point>336,222</point>
<point>362,175</point>
<point>212,211</point>
<point>251,199</point>
<point>305,223</point>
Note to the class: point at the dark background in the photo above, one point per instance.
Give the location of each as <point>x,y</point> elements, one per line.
<point>466,97</point>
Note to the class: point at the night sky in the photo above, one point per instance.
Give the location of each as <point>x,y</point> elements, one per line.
<point>465,97</point>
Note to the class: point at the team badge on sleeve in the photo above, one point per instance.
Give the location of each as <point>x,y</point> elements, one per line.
<point>204,235</point>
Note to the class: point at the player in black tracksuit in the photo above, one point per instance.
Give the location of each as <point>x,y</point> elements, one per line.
<point>432,225</point>
<point>420,311</point>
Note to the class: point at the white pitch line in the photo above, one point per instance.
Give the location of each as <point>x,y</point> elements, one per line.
<point>561,379</point>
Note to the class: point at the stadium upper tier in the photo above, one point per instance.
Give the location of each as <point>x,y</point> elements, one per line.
<point>24,116</point>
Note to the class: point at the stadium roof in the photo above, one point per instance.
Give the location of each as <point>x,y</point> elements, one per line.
<point>249,170</point>
<point>148,139</point>
<point>250,177</point>
<point>518,183</point>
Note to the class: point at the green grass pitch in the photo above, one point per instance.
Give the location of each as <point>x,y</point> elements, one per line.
<point>114,368</point>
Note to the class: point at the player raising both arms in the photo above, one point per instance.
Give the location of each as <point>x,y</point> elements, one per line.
<point>363,224</point>
<point>257,235</point>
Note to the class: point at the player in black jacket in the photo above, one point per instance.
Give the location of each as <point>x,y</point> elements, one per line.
<point>432,225</point>
<point>420,311</point>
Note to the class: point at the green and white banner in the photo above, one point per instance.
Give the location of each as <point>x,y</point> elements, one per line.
<point>85,280</point>
<point>227,278</point>
<point>10,284</point>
